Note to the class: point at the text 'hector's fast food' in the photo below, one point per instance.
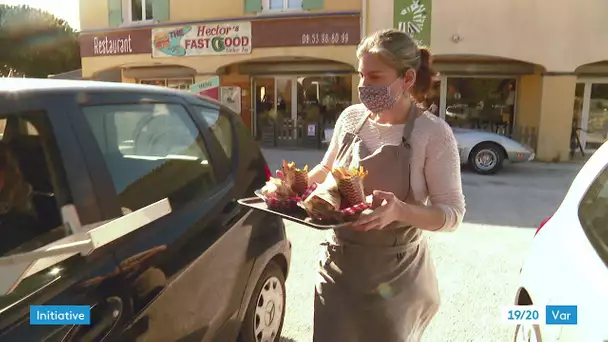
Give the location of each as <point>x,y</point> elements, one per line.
<point>219,38</point>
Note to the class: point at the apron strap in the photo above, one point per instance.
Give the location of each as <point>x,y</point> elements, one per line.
<point>361,122</point>
<point>409,124</point>
<point>415,112</point>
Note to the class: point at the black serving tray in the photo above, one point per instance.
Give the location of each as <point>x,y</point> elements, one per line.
<point>296,215</point>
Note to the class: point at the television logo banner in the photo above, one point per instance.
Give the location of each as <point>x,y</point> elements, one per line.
<point>60,315</point>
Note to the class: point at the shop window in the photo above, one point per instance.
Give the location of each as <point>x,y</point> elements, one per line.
<point>152,151</point>
<point>174,83</point>
<point>159,82</point>
<point>432,102</point>
<point>485,104</point>
<point>182,84</point>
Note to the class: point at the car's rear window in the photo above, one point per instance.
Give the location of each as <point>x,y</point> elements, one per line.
<point>593,214</point>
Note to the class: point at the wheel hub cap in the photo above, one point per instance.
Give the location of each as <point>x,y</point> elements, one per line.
<point>486,159</point>
<point>268,311</point>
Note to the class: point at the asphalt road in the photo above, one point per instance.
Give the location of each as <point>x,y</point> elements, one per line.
<point>477,265</point>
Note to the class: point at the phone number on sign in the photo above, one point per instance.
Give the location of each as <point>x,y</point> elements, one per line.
<point>324,38</point>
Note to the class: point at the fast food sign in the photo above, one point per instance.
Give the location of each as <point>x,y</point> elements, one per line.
<point>203,39</point>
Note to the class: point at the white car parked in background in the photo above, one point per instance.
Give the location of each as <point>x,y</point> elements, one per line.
<point>568,262</point>
<point>485,152</point>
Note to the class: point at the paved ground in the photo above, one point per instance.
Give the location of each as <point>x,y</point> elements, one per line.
<point>477,265</point>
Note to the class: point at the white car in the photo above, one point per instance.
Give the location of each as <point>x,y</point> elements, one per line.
<point>485,152</point>
<point>568,261</point>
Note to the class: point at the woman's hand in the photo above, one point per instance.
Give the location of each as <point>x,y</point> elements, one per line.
<point>387,209</point>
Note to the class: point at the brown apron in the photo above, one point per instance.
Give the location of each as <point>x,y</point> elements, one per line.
<point>380,285</point>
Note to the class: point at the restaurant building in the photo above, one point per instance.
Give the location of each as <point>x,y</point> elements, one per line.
<point>529,71</point>
<point>286,66</point>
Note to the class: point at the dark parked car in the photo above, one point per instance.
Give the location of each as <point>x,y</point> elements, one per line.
<point>135,188</point>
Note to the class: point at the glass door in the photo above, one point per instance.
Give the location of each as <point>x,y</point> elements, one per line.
<point>286,99</point>
<point>594,120</point>
<point>263,109</point>
<point>597,123</point>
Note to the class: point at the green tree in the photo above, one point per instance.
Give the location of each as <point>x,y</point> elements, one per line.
<point>35,43</point>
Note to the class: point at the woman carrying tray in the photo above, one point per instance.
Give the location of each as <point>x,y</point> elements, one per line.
<point>378,281</point>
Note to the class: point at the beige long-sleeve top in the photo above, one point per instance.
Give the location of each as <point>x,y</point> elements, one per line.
<point>435,164</point>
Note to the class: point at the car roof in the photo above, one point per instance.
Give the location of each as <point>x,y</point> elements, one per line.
<point>15,84</point>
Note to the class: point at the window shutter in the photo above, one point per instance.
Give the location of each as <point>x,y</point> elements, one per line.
<point>253,6</point>
<point>115,13</point>
<point>160,9</point>
<point>312,4</point>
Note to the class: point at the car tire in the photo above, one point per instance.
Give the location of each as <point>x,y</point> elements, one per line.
<point>486,158</point>
<point>266,310</point>
<point>527,333</point>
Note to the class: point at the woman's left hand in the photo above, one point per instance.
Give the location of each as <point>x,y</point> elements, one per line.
<point>386,209</point>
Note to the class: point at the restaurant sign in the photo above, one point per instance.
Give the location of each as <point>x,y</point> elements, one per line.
<point>203,39</point>
<point>115,43</point>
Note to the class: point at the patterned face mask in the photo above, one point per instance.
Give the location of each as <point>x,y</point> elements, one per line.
<point>378,98</point>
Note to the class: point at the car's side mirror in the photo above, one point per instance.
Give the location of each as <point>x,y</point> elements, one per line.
<point>14,268</point>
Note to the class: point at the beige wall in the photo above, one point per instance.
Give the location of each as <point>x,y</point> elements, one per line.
<point>559,37</point>
<point>93,13</point>
<point>528,101</point>
<point>555,124</point>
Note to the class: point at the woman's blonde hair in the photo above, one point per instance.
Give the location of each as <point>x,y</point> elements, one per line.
<point>16,191</point>
<point>399,51</point>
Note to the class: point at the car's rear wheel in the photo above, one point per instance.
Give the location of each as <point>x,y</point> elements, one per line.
<point>527,333</point>
<point>486,158</point>
<point>266,311</point>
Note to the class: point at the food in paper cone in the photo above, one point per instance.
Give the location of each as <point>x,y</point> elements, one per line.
<point>278,189</point>
<point>324,200</point>
<point>350,184</point>
<point>295,178</point>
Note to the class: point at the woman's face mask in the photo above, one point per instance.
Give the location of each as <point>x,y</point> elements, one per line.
<point>378,98</point>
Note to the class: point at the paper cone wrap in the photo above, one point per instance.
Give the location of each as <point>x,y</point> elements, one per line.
<point>351,190</point>
<point>296,178</point>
